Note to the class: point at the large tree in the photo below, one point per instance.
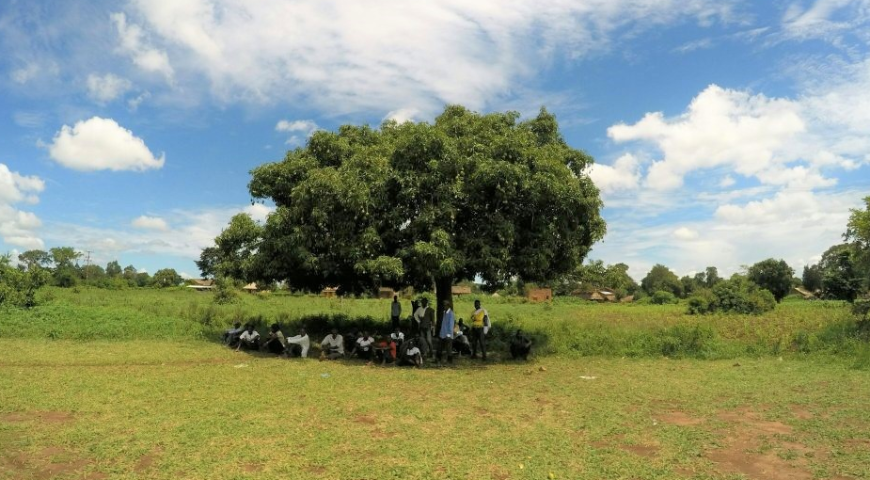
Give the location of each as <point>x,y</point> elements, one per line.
<point>772,275</point>
<point>661,279</point>
<point>426,204</point>
<point>841,278</point>
<point>234,251</point>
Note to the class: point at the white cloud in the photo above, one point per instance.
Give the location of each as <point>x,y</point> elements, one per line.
<point>685,234</point>
<point>624,174</point>
<point>135,44</point>
<point>258,211</point>
<point>101,144</point>
<point>26,73</point>
<point>133,103</point>
<point>383,55</point>
<point>104,89</point>
<point>304,127</point>
<point>775,140</point>
<point>727,181</point>
<point>826,19</point>
<point>794,226</point>
<point>187,232</point>
<point>19,227</point>
<point>403,115</point>
<point>150,223</point>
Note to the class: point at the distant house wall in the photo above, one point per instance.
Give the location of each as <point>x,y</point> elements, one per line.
<point>540,294</point>
<point>460,290</point>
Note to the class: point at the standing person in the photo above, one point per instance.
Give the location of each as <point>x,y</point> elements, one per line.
<point>445,335</point>
<point>249,339</point>
<point>276,343</point>
<point>299,345</point>
<point>479,328</point>
<point>427,326</point>
<point>332,347</point>
<point>395,312</point>
<point>415,322</point>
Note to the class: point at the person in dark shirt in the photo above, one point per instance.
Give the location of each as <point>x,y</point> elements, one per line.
<point>521,346</point>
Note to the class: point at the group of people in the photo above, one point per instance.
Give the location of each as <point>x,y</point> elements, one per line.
<point>426,339</point>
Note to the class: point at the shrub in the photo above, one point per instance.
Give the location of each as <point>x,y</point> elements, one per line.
<point>737,295</point>
<point>663,297</point>
<point>225,291</point>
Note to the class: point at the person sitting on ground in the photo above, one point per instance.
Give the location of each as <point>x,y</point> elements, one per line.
<point>298,346</point>
<point>249,339</point>
<point>231,336</point>
<point>363,347</point>
<point>521,346</point>
<point>350,340</point>
<point>275,343</point>
<point>385,350</point>
<point>411,355</point>
<point>461,344</point>
<point>332,346</point>
<point>397,336</point>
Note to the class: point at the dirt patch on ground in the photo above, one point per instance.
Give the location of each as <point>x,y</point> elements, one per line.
<point>365,419</point>
<point>751,448</point>
<point>380,434</point>
<point>682,419</point>
<point>42,417</point>
<point>48,463</point>
<point>252,467</point>
<point>147,461</point>
<point>498,472</point>
<point>801,413</point>
<point>315,469</point>
<point>647,451</point>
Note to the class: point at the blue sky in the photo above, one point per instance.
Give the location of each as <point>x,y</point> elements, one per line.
<point>724,131</point>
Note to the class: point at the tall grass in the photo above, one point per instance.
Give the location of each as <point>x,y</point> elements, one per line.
<point>565,327</point>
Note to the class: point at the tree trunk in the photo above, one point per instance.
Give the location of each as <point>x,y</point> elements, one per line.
<point>443,291</point>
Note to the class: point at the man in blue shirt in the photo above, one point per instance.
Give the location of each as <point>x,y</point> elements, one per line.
<point>445,335</point>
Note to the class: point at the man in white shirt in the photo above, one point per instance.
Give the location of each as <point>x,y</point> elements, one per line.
<point>332,346</point>
<point>249,339</point>
<point>298,346</point>
<point>412,355</point>
<point>363,346</point>
<point>397,336</point>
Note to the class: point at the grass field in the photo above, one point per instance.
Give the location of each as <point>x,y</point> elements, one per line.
<point>129,384</point>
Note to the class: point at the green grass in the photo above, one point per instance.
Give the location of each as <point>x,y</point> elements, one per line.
<point>166,410</point>
<point>130,384</point>
<point>565,327</point>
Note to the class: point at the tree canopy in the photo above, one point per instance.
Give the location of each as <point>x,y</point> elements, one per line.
<point>772,275</point>
<point>467,196</point>
<point>661,278</point>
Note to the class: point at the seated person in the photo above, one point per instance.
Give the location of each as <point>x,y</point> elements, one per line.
<point>231,336</point>
<point>332,346</point>
<point>249,339</point>
<point>298,346</point>
<point>364,346</point>
<point>461,343</point>
<point>350,340</point>
<point>411,355</point>
<point>521,346</point>
<point>397,336</point>
<point>385,350</point>
<point>275,343</point>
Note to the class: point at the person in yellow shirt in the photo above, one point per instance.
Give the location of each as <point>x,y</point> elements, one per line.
<point>479,329</point>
